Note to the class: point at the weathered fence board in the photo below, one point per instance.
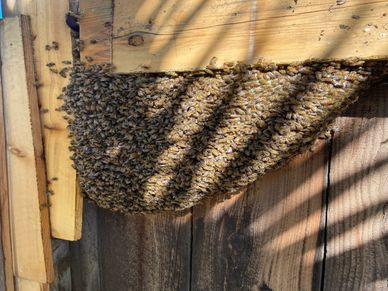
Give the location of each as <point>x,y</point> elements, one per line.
<point>274,234</point>
<point>265,237</point>
<point>145,252</point>
<point>357,228</point>
<point>85,272</point>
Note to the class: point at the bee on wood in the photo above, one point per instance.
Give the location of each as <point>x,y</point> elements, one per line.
<point>55,45</point>
<point>89,59</point>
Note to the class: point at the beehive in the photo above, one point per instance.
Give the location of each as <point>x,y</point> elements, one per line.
<point>152,142</point>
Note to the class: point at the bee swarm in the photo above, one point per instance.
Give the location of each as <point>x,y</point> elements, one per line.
<point>151,142</point>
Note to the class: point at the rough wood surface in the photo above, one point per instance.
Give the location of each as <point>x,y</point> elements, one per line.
<point>48,25</point>
<point>2,267</point>
<point>357,225</point>
<point>266,238</point>
<point>62,268</point>
<point>271,237</point>
<point>26,285</point>
<point>85,271</point>
<point>95,30</point>
<point>6,268</point>
<point>30,228</point>
<point>150,252</point>
<point>153,35</point>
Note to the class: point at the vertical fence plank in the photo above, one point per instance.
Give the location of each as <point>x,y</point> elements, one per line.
<point>30,228</point>
<point>48,26</point>
<point>357,230</point>
<point>85,271</point>
<point>61,257</point>
<point>145,252</point>
<point>7,281</point>
<point>266,238</point>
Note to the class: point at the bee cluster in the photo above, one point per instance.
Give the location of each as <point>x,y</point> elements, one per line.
<point>151,142</point>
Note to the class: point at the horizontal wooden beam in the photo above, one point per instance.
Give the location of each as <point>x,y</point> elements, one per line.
<point>176,35</point>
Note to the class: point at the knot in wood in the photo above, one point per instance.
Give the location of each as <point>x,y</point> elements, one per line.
<point>135,40</point>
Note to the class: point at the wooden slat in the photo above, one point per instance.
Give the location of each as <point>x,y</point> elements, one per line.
<point>27,285</point>
<point>150,252</point>
<point>85,270</point>
<point>267,238</point>
<point>96,28</point>
<point>183,35</point>
<point>32,258</point>
<point>6,257</point>
<point>48,25</point>
<point>2,267</point>
<point>357,230</point>
<point>62,269</point>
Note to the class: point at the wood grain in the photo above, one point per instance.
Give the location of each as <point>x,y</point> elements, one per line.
<point>62,268</point>
<point>357,230</point>
<point>267,238</point>
<point>6,251</point>
<point>27,285</point>
<point>85,267</point>
<point>30,228</point>
<point>144,252</point>
<point>48,25</point>
<point>185,35</point>
<point>96,29</point>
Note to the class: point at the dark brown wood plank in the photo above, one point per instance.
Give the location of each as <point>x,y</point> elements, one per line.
<point>62,272</point>
<point>267,238</point>
<point>144,252</point>
<point>357,240</point>
<point>85,271</point>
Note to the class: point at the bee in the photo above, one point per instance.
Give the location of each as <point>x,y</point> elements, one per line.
<point>55,45</point>
<point>63,72</point>
<point>89,59</point>
<point>198,131</point>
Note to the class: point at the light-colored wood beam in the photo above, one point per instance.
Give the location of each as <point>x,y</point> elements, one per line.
<point>6,248</point>
<point>48,26</point>
<point>27,285</point>
<point>30,228</point>
<point>176,35</point>
<point>95,30</point>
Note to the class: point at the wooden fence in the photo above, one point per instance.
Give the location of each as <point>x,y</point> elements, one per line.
<point>318,224</point>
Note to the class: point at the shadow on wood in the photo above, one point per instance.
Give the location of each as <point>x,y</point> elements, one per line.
<point>275,234</point>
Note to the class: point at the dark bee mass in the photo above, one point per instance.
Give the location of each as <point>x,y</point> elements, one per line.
<point>151,142</point>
